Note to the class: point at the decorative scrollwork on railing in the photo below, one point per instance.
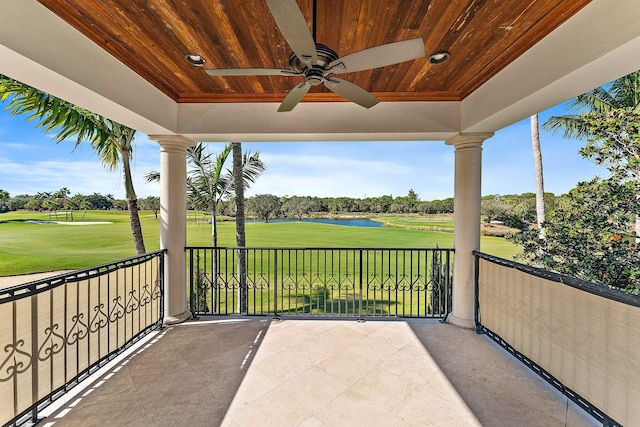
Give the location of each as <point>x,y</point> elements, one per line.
<point>389,283</point>
<point>145,297</point>
<point>288,281</point>
<point>16,362</point>
<point>100,319</point>
<point>260,287</point>
<point>374,283</point>
<point>403,283</point>
<point>133,303</point>
<point>332,279</point>
<point>78,329</point>
<point>53,343</point>
<point>419,286</point>
<point>348,279</point>
<point>118,310</point>
<point>157,292</point>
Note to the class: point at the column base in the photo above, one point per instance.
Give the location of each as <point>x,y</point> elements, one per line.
<point>462,323</point>
<point>178,318</point>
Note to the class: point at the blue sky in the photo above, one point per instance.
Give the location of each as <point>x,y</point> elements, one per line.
<point>31,162</point>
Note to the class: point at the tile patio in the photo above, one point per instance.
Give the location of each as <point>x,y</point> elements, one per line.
<point>308,372</point>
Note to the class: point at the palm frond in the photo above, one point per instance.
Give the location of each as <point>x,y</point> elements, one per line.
<point>64,120</point>
<point>252,167</point>
<point>622,93</point>
<point>572,125</point>
<point>153,176</point>
<point>598,100</point>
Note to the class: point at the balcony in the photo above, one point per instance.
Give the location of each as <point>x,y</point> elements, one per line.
<point>253,371</point>
<point>580,339</point>
<point>87,348</point>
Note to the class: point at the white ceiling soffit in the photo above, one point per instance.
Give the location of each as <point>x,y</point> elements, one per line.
<point>598,44</point>
<point>320,121</point>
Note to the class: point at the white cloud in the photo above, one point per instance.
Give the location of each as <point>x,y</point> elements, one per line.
<point>350,174</point>
<point>5,146</point>
<point>85,177</point>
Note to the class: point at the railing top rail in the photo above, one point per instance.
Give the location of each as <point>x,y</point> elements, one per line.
<point>574,282</point>
<point>25,290</point>
<point>287,248</point>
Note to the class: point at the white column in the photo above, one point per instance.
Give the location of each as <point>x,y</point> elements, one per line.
<point>467,196</point>
<point>173,224</point>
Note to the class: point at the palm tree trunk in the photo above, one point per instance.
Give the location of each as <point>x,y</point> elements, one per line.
<point>537,163</point>
<point>136,228</point>
<point>240,230</point>
<point>132,205</point>
<point>214,261</point>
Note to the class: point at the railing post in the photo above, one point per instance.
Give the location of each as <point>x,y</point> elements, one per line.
<point>275,285</point>
<point>192,305</point>
<point>34,351</point>
<point>477,293</point>
<point>360,318</point>
<point>163,278</point>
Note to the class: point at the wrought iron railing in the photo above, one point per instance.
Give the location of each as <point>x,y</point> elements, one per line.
<point>354,282</point>
<point>582,338</point>
<point>57,331</point>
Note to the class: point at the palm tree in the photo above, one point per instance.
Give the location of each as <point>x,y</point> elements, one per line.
<point>45,201</point>
<point>238,180</point>
<point>537,163</point>
<point>112,141</point>
<point>61,198</point>
<point>208,183</point>
<point>623,93</point>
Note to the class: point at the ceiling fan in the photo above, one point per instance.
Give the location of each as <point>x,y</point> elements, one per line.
<point>318,63</point>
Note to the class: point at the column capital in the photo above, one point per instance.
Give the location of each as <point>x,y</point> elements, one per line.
<point>172,142</point>
<point>468,140</point>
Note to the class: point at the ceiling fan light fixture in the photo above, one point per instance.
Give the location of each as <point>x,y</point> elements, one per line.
<point>439,57</point>
<point>195,59</point>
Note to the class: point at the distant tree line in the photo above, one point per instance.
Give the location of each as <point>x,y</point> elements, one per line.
<point>62,202</point>
<point>514,210</point>
<point>517,211</point>
<point>265,206</point>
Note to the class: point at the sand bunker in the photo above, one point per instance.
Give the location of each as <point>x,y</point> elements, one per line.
<point>68,222</point>
<point>82,223</point>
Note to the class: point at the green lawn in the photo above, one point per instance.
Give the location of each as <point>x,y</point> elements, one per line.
<point>29,248</point>
<point>442,222</point>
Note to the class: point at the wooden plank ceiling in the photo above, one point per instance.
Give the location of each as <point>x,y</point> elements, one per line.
<point>152,37</point>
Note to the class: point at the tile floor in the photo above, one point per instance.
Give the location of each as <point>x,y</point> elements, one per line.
<point>301,372</point>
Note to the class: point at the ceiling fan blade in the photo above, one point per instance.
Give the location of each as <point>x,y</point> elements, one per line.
<point>294,96</point>
<point>249,72</point>
<point>352,92</point>
<point>294,27</point>
<point>379,56</point>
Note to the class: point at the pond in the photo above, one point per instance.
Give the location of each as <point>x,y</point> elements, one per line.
<point>351,222</point>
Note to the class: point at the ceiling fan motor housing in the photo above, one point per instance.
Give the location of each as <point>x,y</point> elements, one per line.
<point>326,55</point>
